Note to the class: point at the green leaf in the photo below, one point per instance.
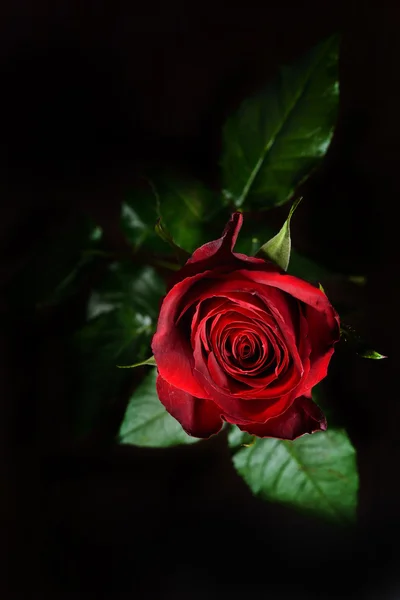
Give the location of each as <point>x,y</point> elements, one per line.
<point>305,268</point>
<point>127,285</point>
<point>147,423</point>
<point>139,215</point>
<point>275,139</point>
<point>278,248</point>
<point>109,339</point>
<point>315,474</point>
<point>122,316</point>
<point>359,346</point>
<point>181,254</point>
<point>184,205</point>
<point>149,361</point>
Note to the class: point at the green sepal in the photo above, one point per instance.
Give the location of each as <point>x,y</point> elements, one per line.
<point>149,361</point>
<point>371,354</point>
<point>278,248</point>
<point>357,343</point>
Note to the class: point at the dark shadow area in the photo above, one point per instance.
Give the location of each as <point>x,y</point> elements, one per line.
<point>89,98</point>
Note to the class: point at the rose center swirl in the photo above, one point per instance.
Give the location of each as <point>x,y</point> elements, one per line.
<point>244,345</point>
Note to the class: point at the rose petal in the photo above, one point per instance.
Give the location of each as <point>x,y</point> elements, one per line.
<point>236,409</point>
<point>322,337</point>
<point>205,310</point>
<point>260,324</point>
<point>257,375</point>
<point>304,346</point>
<point>219,254</point>
<point>215,254</point>
<point>218,284</point>
<point>323,321</point>
<point>231,381</point>
<point>198,417</point>
<point>216,372</point>
<point>243,405</point>
<point>171,347</point>
<point>262,299</point>
<point>223,245</point>
<point>303,416</point>
<point>297,288</point>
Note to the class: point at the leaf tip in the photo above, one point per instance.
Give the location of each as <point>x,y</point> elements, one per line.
<point>371,354</point>
<point>294,206</point>
<point>149,361</point>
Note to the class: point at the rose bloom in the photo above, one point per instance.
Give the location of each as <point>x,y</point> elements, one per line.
<point>240,341</point>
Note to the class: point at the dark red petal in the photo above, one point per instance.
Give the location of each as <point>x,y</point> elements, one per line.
<point>322,319</point>
<point>322,337</point>
<point>274,399</point>
<point>218,284</point>
<point>297,288</point>
<point>171,347</point>
<point>216,372</point>
<point>199,417</point>
<point>213,255</point>
<point>232,401</point>
<point>204,311</point>
<point>223,245</point>
<point>256,300</point>
<point>219,254</point>
<point>258,375</point>
<point>236,409</point>
<point>303,416</point>
<point>259,323</point>
<point>224,377</point>
<point>304,352</point>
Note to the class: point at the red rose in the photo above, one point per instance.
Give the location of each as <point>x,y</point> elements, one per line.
<point>239,340</point>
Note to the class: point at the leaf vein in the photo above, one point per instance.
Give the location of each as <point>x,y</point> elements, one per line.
<point>279,128</point>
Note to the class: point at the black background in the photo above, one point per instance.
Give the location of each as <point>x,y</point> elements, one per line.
<point>157,80</point>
